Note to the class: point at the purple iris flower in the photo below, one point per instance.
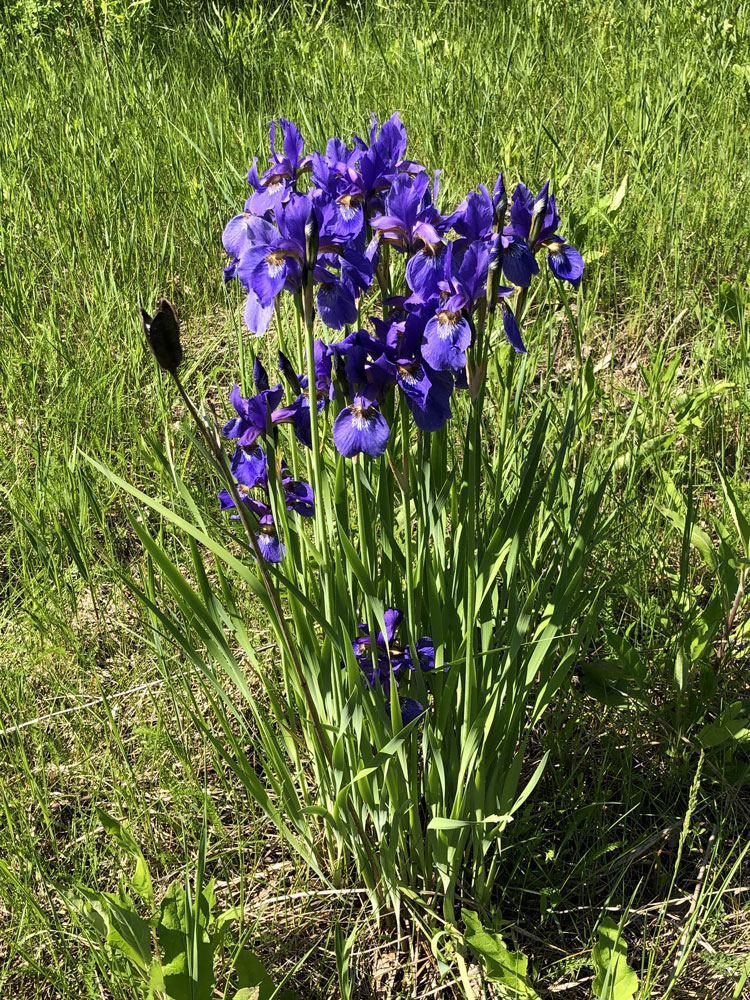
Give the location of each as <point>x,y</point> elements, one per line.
<point>268,258</point>
<point>381,162</point>
<point>398,360</point>
<point>250,469</point>
<point>361,428</point>
<point>276,183</point>
<point>564,260</point>
<point>298,415</point>
<point>389,144</point>
<point>239,235</point>
<point>336,176</point>
<point>448,333</point>
<point>252,415</point>
<point>322,363</point>
<point>391,659</point>
<point>475,219</point>
<point>271,547</point>
<point>409,218</point>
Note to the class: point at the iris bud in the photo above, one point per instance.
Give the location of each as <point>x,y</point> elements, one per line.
<point>162,333</point>
<point>500,205</point>
<point>285,366</point>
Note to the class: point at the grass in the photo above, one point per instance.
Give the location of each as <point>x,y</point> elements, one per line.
<point>117,176</point>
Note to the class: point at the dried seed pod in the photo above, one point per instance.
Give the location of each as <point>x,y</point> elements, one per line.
<point>163,336</point>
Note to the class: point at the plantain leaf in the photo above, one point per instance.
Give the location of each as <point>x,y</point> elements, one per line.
<point>509,968</point>
<point>614,979</point>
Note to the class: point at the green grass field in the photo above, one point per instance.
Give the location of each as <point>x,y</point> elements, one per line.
<point>124,147</point>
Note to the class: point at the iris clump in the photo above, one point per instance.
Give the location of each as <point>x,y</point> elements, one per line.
<point>416,613</point>
<point>327,229</point>
<point>364,201</point>
<point>354,236</point>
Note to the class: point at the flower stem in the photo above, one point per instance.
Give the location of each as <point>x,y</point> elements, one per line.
<point>214,446</point>
<point>321,533</point>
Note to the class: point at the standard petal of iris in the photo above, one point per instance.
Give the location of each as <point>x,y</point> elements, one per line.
<point>361,429</point>
<point>520,211</point>
<point>392,618</point>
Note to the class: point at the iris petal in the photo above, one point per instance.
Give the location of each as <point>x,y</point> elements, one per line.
<point>519,263</point>
<point>235,236</point>
<point>257,317</point>
<point>425,270</point>
<point>411,709</point>
<point>565,261</point>
<point>336,305</point>
<point>361,430</point>
<point>249,467</point>
<point>271,547</point>
<point>446,337</point>
<point>512,331</point>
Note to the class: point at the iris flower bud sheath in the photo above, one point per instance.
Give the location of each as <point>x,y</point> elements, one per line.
<point>499,205</point>
<point>312,237</point>
<point>537,215</point>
